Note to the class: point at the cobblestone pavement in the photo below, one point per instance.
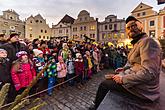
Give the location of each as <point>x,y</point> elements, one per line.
<point>73,97</point>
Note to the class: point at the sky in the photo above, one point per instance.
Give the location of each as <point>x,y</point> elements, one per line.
<point>54,10</point>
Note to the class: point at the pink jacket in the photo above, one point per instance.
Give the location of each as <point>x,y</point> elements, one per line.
<point>62,70</point>
<point>23,76</point>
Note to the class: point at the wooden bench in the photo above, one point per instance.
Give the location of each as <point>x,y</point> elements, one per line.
<point>115,101</point>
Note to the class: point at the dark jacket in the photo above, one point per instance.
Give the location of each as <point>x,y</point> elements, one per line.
<point>13,48</point>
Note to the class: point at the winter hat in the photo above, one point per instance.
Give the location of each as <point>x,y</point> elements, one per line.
<point>3,50</point>
<point>130,18</point>
<point>60,58</point>
<point>77,55</point>
<point>21,53</point>
<point>13,34</point>
<point>37,52</point>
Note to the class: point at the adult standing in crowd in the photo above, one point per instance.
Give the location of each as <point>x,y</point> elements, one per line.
<point>2,39</point>
<point>140,78</point>
<point>13,46</point>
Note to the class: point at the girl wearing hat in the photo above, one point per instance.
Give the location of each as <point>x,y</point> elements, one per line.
<point>61,69</point>
<point>22,71</point>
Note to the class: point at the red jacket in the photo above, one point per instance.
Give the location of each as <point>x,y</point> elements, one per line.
<point>23,76</point>
<point>79,67</point>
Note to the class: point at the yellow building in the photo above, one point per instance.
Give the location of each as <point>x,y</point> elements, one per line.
<point>112,30</point>
<point>84,25</point>
<point>152,21</point>
<point>10,23</point>
<point>36,27</point>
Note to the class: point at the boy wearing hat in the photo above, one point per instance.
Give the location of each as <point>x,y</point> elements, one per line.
<point>39,65</point>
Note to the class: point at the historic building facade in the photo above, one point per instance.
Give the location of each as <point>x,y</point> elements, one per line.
<point>10,23</point>
<point>36,27</point>
<point>63,29</point>
<point>112,30</point>
<point>86,26</point>
<point>152,21</point>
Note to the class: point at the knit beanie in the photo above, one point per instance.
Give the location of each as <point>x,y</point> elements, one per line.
<point>21,53</point>
<point>37,52</point>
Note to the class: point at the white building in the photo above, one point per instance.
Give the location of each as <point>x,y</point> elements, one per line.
<point>63,28</point>
<point>36,27</point>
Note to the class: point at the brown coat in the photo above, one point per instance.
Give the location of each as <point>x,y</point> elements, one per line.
<point>142,78</point>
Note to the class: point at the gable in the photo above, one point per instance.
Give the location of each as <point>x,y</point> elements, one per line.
<point>141,6</point>
<point>61,25</point>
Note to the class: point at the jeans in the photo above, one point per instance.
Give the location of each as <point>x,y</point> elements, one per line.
<point>51,83</point>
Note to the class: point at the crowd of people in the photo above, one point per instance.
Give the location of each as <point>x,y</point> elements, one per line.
<point>22,60</point>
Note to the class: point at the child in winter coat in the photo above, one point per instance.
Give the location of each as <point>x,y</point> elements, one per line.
<point>39,65</point>
<point>22,71</point>
<point>52,75</point>
<point>79,67</point>
<point>70,68</point>
<point>61,69</point>
<point>89,65</point>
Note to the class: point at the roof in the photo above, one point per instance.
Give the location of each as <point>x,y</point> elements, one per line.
<point>11,11</point>
<point>67,19</point>
<point>141,6</point>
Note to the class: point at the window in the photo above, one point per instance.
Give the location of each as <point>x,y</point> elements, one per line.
<point>85,28</point>
<point>109,35</point>
<point>30,29</point>
<point>60,31</point>
<point>144,13</point>
<point>43,37</point>
<point>60,25</point>
<point>141,6</point>
<point>40,21</point>
<point>39,37</point>
<point>110,26</point>
<point>41,31</point>
<point>4,31</point>
<point>47,37</point>
<point>138,14</point>
<point>30,35</point>
<point>92,28</point>
<point>115,27</point>
<point>93,35</point>
<point>103,36</point>
<point>36,21</point>
<point>110,20</point>
<point>105,27</point>
<point>152,23</point>
<point>66,30</point>
<point>45,31</point>
<point>74,29</point>
<point>19,33</point>
<point>81,28</point>
<point>80,19</point>
<point>81,35</point>
<point>11,17</point>
<point>31,21</point>
<point>90,35</point>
